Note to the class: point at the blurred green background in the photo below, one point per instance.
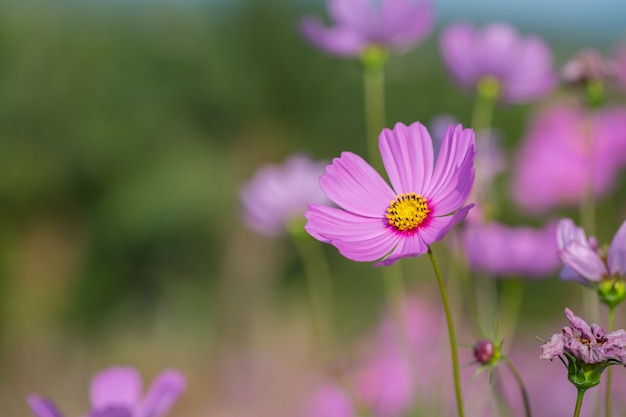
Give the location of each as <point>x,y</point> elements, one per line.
<point>125,133</point>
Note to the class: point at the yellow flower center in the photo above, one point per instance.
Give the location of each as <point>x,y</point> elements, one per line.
<point>407,211</point>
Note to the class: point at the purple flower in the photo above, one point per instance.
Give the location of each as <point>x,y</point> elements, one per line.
<point>501,250</point>
<point>376,221</point>
<point>116,392</point>
<point>620,62</point>
<point>396,25</point>
<point>543,177</point>
<point>589,344</point>
<point>580,256</point>
<point>516,69</point>
<point>279,194</point>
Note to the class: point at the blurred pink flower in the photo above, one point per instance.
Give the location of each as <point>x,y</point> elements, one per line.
<point>517,69</point>
<point>116,392</point>
<point>556,159</point>
<point>505,251</point>
<point>397,25</point>
<point>278,195</point>
<point>378,222</point>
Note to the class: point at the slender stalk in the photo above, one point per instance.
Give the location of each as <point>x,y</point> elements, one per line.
<point>482,112</point>
<point>374,96</point>
<point>609,373</point>
<point>451,333</point>
<point>579,402</point>
<point>510,305</point>
<point>522,387</point>
<point>320,290</point>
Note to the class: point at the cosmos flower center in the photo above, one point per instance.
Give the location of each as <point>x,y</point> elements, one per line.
<point>407,211</point>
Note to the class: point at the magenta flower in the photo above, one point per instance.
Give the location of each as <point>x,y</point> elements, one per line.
<point>116,392</point>
<point>376,221</point>
<point>397,25</point>
<point>620,63</point>
<point>589,344</point>
<point>543,177</point>
<point>279,194</point>
<point>583,263</point>
<point>503,251</point>
<point>513,68</point>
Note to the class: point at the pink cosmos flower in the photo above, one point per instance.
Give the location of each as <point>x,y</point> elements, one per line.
<point>278,195</point>
<point>543,177</point>
<point>377,221</point>
<point>580,256</point>
<point>116,392</point>
<point>503,251</point>
<point>590,344</point>
<point>518,69</point>
<point>620,63</point>
<point>396,25</point>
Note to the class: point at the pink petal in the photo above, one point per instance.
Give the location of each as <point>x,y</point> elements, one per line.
<point>162,394</point>
<point>449,199</point>
<point>407,154</point>
<point>457,145</point>
<point>355,14</point>
<point>567,232</point>
<point>409,246</point>
<point>358,238</point>
<point>338,40</point>
<point>583,260</point>
<point>457,50</point>
<point>355,186</point>
<point>117,386</point>
<point>440,226</point>
<point>43,407</point>
<point>617,252</point>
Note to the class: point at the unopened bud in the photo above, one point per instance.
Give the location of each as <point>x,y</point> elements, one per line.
<point>485,351</point>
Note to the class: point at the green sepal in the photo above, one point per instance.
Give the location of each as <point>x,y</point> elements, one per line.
<point>611,291</point>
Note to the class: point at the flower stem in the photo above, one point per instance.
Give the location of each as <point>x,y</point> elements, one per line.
<point>522,387</point>
<point>482,113</point>
<point>320,290</point>
<point>579,402</point>
<point>609,373</point>
<point>374,96</point>
<point>451,333</point>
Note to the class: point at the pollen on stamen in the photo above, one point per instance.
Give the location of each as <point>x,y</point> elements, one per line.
<point>407,211</point>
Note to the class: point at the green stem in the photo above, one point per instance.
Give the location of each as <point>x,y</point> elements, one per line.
<point>482,113</point>
<point>579,402</point>
<point>522,387</point>
<point>609,373</point>
<point>511,303</point>
<point>451,333</point>
<point>320,290</point>
<point>374,96</point>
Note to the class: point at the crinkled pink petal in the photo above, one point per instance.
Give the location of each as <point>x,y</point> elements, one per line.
<point>355,186</point>
<point>407,153</point>
<point>617,252</point>
<point>579,324</point>
<point>117,386</point>
<point>552,348</point>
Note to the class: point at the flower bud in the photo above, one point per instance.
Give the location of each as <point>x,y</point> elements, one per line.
<point>485,352</point>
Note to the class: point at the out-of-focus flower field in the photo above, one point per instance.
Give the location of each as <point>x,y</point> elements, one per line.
<point>133,234</point>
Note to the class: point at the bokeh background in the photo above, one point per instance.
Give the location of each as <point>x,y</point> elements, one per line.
<point>126,131</point>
